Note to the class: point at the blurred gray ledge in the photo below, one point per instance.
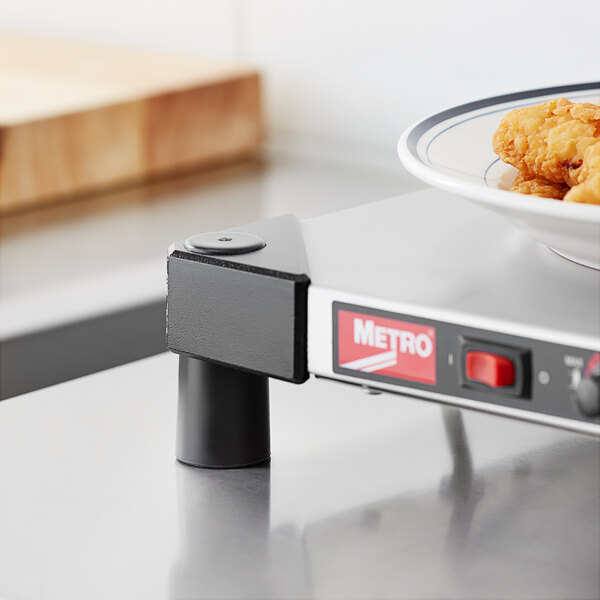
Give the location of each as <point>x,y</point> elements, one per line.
<point>83,284</point>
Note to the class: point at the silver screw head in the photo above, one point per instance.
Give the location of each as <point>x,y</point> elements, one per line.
<point>224,242</point>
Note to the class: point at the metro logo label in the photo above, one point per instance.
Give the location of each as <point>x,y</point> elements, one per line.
<point>385,346</point>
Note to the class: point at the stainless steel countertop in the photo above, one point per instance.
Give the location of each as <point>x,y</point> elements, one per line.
<point>365,497</point>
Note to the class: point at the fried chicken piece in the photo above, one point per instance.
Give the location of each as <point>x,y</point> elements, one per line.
<point>556,142</point>
<point>538,186</point>
<point>588,190</point>
<point>549,140</point>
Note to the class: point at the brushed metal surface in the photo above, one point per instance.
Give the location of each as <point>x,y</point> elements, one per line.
<point>366,497</point>
<point>446,254</point>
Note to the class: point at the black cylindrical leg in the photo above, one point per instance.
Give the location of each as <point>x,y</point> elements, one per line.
<point>222,416</point>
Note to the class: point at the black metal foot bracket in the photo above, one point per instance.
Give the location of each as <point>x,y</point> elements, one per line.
<point>236,315</point>
<point>222,416</point>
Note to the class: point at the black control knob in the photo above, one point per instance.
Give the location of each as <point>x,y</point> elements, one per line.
<point>588,395</point>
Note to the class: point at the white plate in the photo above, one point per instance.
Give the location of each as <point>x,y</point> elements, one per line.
<point>453,150</point>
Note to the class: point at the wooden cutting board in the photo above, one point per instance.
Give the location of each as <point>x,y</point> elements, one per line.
<point>78,117</point>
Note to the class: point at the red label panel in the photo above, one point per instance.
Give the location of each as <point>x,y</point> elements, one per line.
<point>388,347</point>
<point>592,364</point>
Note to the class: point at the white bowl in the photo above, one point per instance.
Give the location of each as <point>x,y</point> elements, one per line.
<point>453,150</point>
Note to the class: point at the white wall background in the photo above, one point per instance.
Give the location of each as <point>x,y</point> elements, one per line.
<point>355,73</point>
